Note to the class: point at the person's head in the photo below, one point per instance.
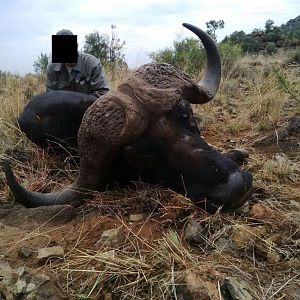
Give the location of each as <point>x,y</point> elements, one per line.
<point>64,32</point>
<point>64,45</point>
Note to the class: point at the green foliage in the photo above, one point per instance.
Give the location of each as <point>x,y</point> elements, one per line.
<point>40,65</point>
<point>186,54</point>
<point>271,48</point>
<point>275,35</point>
<point>212,26</point>
<point>286,85</point>
<point>97,45</point>
<point>237,37</point>
<point>230,53</point>
<point>296,56</point>
<point>269,39</point>
<point>189,55</point>
<point>5,74</point>
<point>292,28</point>
<point>108,49</point>
<point>269,25</point>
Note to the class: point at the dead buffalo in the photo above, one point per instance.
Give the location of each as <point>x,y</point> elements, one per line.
<point>146,128</point>
<point>52,119</point>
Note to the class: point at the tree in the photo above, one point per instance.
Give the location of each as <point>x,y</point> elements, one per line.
<point>237,37</point>
<point>269,25</point>
<point>116,48</point>
<point>40,65</point>
<point>212,26</point>
<point>97,45</point>
<point>108,49</point>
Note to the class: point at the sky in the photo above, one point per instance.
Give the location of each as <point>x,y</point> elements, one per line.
<point>26,26</point>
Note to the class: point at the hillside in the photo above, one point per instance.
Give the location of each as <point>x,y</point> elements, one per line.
<point>268,40</point>
<point>292,26</point>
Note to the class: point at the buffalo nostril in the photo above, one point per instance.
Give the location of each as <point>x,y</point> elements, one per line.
<point>248,180</point>
<point>235,192</point>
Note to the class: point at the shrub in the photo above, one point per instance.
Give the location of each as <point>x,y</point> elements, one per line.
<point>186,54</point>
<point>296,55</point>
<point>271,48</point>
<point>230,53</point>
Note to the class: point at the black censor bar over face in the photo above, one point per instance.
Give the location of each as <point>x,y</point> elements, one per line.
<point>64,49</point>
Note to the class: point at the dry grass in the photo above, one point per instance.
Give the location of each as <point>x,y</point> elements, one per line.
<point>262,251</point>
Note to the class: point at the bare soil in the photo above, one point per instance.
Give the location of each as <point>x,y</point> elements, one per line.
<point>267,258</point>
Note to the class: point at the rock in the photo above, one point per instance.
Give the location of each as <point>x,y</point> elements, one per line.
<point>195,287</point>
<point>273,257</point>
<point>21,284</point>
<point>245,209</point>
<point>5,269</point>
<point>25,252</point>
<point>108,296</point>
<point>194,232</point>
<point>297,294</point>
<point>112,238</point>
<point>107,254</point>
<point>233,289</point>
<point>50,252</point>
<point>223,244</point>
<point>244,234</point>
<point>261,212</point>
<point>280,159</point>
<point>136,217</point>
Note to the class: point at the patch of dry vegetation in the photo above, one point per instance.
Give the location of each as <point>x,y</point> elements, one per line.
<point>259,245</point>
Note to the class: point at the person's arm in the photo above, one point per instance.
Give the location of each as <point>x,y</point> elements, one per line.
<point>51,79</point>
<point>99,83</point>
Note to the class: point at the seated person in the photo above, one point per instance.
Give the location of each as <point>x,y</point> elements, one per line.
<point>86,76</point>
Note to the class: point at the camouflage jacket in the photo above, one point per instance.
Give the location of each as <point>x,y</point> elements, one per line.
<point>87,77</point>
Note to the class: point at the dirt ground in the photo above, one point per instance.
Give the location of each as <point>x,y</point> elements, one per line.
<point>259,244</point>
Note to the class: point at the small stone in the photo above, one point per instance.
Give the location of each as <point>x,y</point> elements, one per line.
<point>280,159</point>
<point>196,287</point>
<point>50,252</point>
<point>112,238</point>
<point>243,235</point>
<point>107,254</point>
<point>273,257</point>
<point>5,269</point>
<point>260,212</point>
<point>21,284</point>
<point>30,287</point>
<point>25,252</point>
<point>297,294</point>
<point>245,209</point>
<point>234,289</point>
<point>223,243</point>
<point>194,232</point>
<point>108,296</point>
<point>136,217</point>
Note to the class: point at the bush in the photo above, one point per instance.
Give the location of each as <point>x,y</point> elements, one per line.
<point>41,63</point>
<point>296,56</point>
<point>271,48</point>
<point>230,53</point>
<point>186,54</point>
